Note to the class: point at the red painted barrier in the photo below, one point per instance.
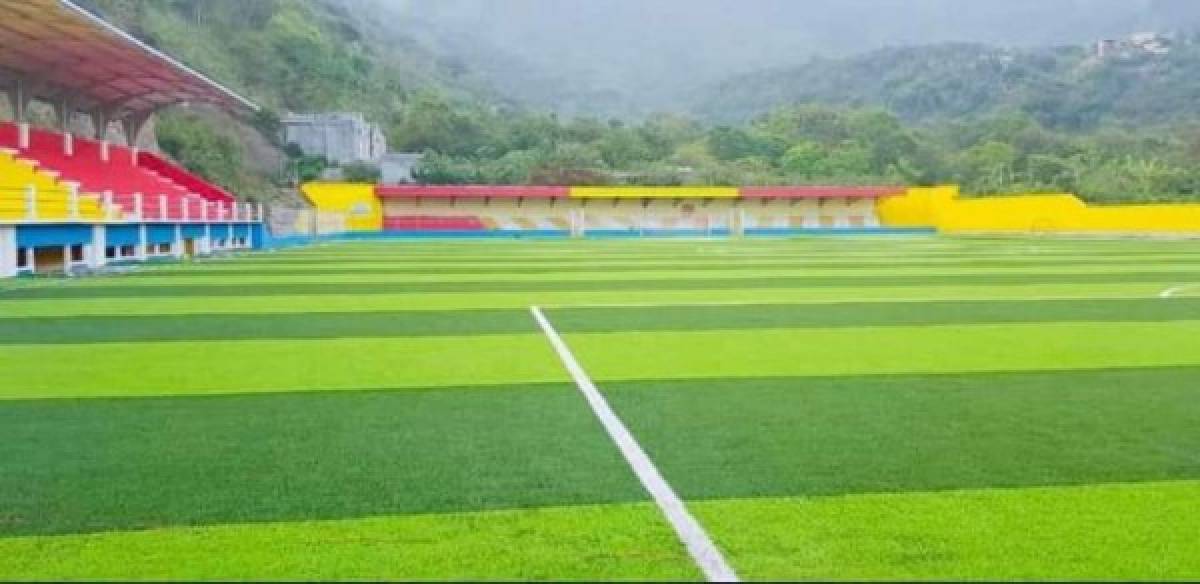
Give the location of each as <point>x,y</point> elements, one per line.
<point>433,223</point>
<point>195,184</point>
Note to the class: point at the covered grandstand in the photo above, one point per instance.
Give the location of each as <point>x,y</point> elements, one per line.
<point>69,201</point>
<point>597,211</point>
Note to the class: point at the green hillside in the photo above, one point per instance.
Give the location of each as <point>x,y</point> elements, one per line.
<point>1064,88</point>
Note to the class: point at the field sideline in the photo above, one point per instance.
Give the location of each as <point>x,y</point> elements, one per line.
<point>832,408</point>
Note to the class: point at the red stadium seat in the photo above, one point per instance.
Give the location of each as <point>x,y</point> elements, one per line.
<point>124,174</point>
<point>433,223</point>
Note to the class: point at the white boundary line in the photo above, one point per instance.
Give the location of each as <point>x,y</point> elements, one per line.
<point>701,547</point>
<point>1170,292</point>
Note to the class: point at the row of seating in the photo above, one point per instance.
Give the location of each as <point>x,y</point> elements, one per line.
<point>48,198</point>
<point>433,223</point>
<point>139,185</point>
<point>166,169</point>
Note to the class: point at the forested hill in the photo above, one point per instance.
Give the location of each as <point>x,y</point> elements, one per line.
<point>298,55</point>
<point>1064,88</point>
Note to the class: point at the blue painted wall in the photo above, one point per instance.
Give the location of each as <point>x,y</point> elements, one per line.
<point>122,235</point>
<point>156,234</point>
<point>53,235</point>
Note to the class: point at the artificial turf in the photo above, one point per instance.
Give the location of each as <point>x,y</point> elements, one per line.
<point>225,290</point>
<point>418,323</point>
<point>610,542</point>
<point>829,408</point>
<point>863,314</point>
<point>1131,532</point>
<point>79,466</point>
<point>886,350</point>
<point>273,365</point>
<point>769,437</point>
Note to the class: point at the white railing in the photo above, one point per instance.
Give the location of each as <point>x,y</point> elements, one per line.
<point>31,204</point>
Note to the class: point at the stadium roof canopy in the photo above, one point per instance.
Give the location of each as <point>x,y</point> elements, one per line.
<point>56,51</point>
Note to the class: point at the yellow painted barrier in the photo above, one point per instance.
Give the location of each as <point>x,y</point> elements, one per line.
<point>943,209</point>
<point>356,201</point>
<point>654,192</point>
<point>918,207</point>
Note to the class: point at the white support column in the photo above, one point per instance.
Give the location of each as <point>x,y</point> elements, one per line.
<point>68,144</point>
<point>261,213</point>
<point>94,254</point>
<point>73,199</point>
<point>204,246</point>
<point>143,239</point>
<point>31,206</point>
<point>139,206</point>
<point>234,209</point>
<point>8,251</point>
<point>249,237</point>
<point>183,209</point>
<point>104,155</point>
<point>23,135</point>
<point>110,211</point>
<point>162,207</point>
<point>177,246</point>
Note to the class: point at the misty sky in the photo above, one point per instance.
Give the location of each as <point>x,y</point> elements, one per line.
<point>663,47</point>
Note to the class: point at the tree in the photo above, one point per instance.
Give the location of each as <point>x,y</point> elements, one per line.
<point>805,159</point>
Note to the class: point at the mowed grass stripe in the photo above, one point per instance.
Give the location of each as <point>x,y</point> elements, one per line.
<point>217,367</point>
<point>400,263</point>
<point>271,304</point>
<point>219,289</point>
<point>81,466</point>
<point>735,438</point>
<point>301,325</point>
<point>97,329</point>
<point>651,246</point>
<point>595,543</point>
<point>503,267</point>
<point>1090,533</point>
<point>863,314</point>
<point>792,274</point>
<point>796,254</point>
<point>885,350</point>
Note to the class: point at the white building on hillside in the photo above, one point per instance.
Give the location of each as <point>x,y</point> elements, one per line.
<point>340,137</point>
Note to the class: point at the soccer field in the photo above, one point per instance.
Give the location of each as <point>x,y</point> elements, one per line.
<point>828,408</point>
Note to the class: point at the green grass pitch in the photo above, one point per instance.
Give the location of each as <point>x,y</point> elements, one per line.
<point>829,408</point>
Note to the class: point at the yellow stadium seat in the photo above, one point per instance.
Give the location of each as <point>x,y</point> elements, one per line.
<point>53,198</point>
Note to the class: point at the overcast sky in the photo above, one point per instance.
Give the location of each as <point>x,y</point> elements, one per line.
<point>659,46</point>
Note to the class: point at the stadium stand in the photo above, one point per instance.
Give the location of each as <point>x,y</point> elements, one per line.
<point>139,184</point>
<point>70,201</point>
<point>626,211</point>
